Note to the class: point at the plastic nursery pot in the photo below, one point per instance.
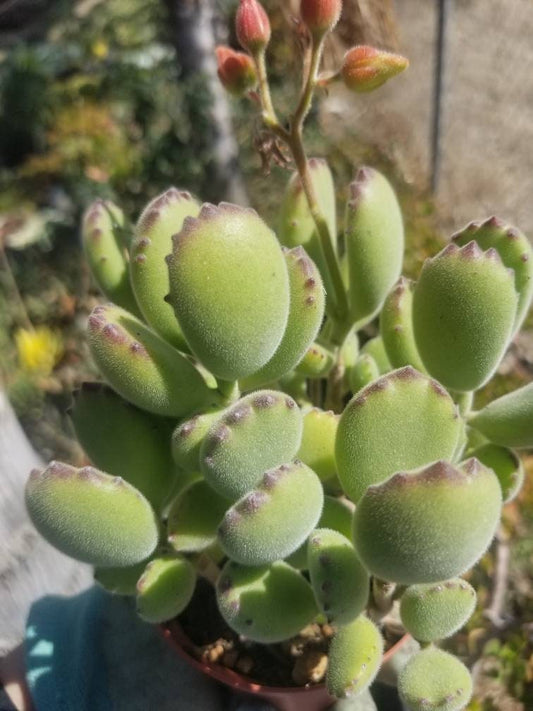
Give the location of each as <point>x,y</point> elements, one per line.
<point>284,698</point>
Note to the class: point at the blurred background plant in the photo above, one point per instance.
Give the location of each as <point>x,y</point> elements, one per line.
<point>116,100</point>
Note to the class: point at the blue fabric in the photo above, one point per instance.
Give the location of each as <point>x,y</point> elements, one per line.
<point>64,663</point>
<point>92,653</point>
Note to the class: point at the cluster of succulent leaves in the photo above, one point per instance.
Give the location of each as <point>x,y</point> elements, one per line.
<point>212,448</point>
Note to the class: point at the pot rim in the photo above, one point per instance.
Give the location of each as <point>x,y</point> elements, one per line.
<point>174,634</point>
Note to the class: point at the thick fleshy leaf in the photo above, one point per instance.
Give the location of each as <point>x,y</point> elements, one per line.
<point>124,441</point>
<point>396,326</point>
<point>433,680</point>
<point>505,464</point>
<point>401,421</point>
<point>161,219</point>
<point>188,437</point>
<point>515,251</point>
<point>266,604</point>
<point>194,517</point>
<point>428,525</point>
<point>508,421</point>
<point>105,249</point>
<point>274,519</point>
<point>437,610</point>
<point>316,363</point>
<point>296,225</point>
<point>374,242</point>
<point>339,580</point>
<point>229,287</point>
<point>306,311</point>
<point>144,368</point>
<point>317,448</point>
<point>375,347</point>
<point>337,514</point>
<point>120,581</point>
<point>355,656</point>
<point>464,308</point>
<point>91,516</point>
<point>362,373</point>
<point>165,588</point>
<point>258,432</point>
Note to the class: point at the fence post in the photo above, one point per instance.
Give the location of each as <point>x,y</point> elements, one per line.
<point>439,88</point>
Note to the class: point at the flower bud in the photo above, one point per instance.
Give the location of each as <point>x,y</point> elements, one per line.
<point>320,16</point>
<point>367,68</point>
<point>252,26</point>
<point>236,70</point>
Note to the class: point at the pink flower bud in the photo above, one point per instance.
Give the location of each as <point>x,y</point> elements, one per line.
<point>252,26</point>
<point>236,70</point>
<point>320,16</point>
<point>367,68</point>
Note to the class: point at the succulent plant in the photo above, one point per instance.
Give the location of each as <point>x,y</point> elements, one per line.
<point>259,426</point>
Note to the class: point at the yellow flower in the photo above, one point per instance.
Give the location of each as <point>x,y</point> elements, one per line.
<point>99,49</point>
<point>39,350</point>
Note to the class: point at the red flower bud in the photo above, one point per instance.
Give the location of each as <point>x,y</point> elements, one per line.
<point>367,68</point>
<point>252,25</point>
<point>320,16</point>
<point>236,70</point>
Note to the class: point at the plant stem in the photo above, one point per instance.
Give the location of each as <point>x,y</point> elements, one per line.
<point>228,389</point>
<point>335,384</point>
<point>463,402</point>
<point>207,568</point>
<point>300,159</point>
<point>382,596</point>
<point>270,118</point>
<point>293,140</point>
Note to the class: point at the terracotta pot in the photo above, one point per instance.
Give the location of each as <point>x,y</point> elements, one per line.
<point>284,698</point>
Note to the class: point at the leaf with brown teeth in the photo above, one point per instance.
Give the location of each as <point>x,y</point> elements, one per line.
<point>161,219</point>
<point>296,226</point>
<point>515,251</point>
<point>230,289</point>
<point>105,250</point>
<point>124,441</point>
<point>91,516</point>
<point>433,680</point>
<point>396,326</point>
<point>374,238</point>
<point>400,421</point>
<point>274,519</point>
<point>428,525</point>
<point>144,368</point>
<point>464,308</point>
<point>258,432</point>
<point>306,311</point>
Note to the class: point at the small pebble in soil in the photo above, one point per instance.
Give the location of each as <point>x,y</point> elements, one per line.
<point>328,631</point>
<point>310,632</point>
<point>215,653</point>
<point>230,658</point>
<point>310,667</point>
<point>244,664</point>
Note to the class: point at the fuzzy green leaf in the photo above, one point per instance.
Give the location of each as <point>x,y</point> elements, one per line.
<point>91,516</point>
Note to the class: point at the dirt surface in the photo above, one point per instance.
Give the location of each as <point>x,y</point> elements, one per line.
<point>487,165</point>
